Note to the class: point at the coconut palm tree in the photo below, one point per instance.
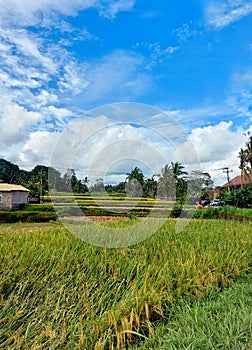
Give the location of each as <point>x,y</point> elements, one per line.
<point>249,150</point>
<point>135,182</point>
<point>243,159</point>
<point>178,170</point>
<point>166,186</point>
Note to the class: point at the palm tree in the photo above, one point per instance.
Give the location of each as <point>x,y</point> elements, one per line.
<point>166,172</point>
<point>166,183</point>
<point>135,182</point>
<point>136,174</point>
<point>249,150</point>
<point>246,158</point>
<point>243,159</point>
<point>178,169</point>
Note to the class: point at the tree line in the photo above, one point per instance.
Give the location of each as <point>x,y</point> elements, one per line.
<point>41,179</point>
<point>171,183</point>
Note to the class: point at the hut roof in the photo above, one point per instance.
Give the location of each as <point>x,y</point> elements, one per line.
<point>9,187</point>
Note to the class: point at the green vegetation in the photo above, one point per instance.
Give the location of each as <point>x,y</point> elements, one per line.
<point>241,198</point>
<point>26,216</point>
<point>57,292</point>
<point>226,212</point>
<point>117,206</point>
<point>219,321</point>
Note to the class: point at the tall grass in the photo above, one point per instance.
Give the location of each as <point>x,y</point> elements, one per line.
<point>219,321</point>
<point>58,292</point>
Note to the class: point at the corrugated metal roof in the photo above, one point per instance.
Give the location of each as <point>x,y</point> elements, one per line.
<point>9,187</point>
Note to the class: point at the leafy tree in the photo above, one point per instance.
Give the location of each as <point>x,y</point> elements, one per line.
<point>39,174</point>
<point>150,188</point>
<point>181,190</point>
<point>98,186</point>
<point>36,191</point>
<point>181,186</point>
<point>9,172</point>
<point>202,179</point>
<point>135,182</point>
<point>241,198</point>
<point>67,178</point>
<point>243,154</point>
<point>55,180</point>
<point>119,188</point>
<point>166,184</point>
<point>249,151</point>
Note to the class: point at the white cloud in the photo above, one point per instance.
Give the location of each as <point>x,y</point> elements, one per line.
<point>15,123</point>
<point>156,53</point>
<point>73,78</point>
<point>186,31</point>
<point>97,146</point>
<point>59,112</point>
<point>100,145</point>
<point>110,8</point>
<point>213,142</point>
<point>220,14</point>
<point>44,97</point>
<point>26,12</point>
<point>23,67</point>
<point>37,148</point>
<point>115,77</point>
<point>30,49</point>
<point>217,147</point>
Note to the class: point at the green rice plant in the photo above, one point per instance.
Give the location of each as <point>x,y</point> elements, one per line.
<point>58,292</point>
<point>219,321</point>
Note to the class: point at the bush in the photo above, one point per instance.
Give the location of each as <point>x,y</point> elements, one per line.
<point>25,216</point>
<point>241,198</point>
<point>176,211</point>
<point>207,213</point>
<point>38,208</point>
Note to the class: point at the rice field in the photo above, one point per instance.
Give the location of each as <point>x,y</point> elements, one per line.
<point>58,292</point>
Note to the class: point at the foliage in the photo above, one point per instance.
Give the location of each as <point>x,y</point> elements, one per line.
<point>135,183</point>
<point>171,184</point>
<point>245,156</point>
<point>41,179</point>
<point>98,186</point>
<point>119,188</point>
<point>241,198</point>
<point>167,183</point>
<point>176,210</point>
<point>226,212</point>
<point>10,173</point>
<point>26,216</point>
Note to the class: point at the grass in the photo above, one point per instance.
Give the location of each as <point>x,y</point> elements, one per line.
<point>220,321</point>
<point>58,292</point>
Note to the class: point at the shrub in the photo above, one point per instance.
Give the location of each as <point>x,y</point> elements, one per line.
<point>25,216</point>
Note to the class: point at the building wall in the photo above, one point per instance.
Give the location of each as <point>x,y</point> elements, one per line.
<point>12,200</point>
<point>5,203</point>
<point>18,198</point>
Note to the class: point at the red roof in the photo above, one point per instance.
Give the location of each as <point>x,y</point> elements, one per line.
<point>238,181</point>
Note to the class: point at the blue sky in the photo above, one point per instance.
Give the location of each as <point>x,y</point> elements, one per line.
<point>191,59</point>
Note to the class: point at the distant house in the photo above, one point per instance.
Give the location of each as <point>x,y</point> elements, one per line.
<point>12,196</point>
<point>237,182</point>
